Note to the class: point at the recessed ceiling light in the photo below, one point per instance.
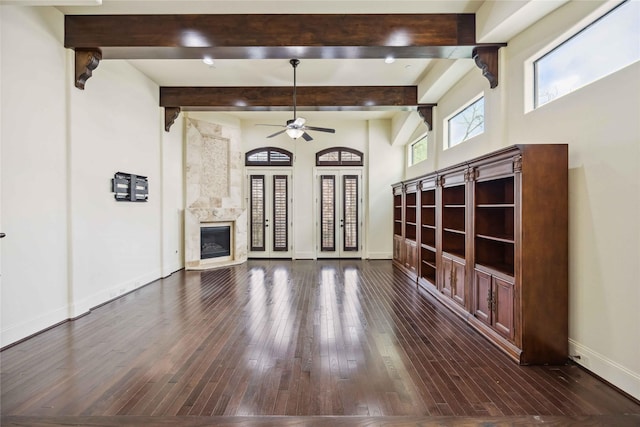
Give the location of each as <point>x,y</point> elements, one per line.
<point>389,60</point>
<point>207,60</point>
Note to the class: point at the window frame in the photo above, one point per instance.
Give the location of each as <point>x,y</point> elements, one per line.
<point>446,143</point>
<point>423,137</point>
<point>269,162</point>
<point>340,161</point>
<point>530,65</point>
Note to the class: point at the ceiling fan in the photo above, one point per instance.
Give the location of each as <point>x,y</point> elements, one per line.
<point>296,127</point>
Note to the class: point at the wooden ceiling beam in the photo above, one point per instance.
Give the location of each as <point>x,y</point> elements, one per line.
<point>262,36</point>
<point>273,98</point>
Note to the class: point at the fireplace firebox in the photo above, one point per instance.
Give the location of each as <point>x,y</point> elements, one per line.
<point>215,242</point>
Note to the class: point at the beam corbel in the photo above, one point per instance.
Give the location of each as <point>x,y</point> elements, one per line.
<point>426,112</point>
<point>486,58</point>
<point>86,61</point>
<point>170,116</point>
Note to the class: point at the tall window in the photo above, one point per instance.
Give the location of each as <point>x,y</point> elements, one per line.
<point>604,47</point>
<point>466,124</point>
<point>418,151</point>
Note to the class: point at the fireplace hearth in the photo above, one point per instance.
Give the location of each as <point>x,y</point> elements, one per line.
<point>215,242</point>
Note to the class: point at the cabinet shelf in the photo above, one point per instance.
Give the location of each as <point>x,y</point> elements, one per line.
<point>496,253</point>
<point>454,195</point>
<point>495,191</point>
<point>455,206</point>
<point>502,269</point>
<point>496,239</point>
<point>460,257</point>
<point>428,247</point>
<point>453,230</point>
<point>495,205</point>
<point>430,264</point>
<point>433,227</point>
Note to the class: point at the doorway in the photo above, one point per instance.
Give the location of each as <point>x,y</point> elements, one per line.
<point>270,219</point>
<point>339,203</point>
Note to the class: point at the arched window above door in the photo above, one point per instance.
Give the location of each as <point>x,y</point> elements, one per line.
<point>268,156</point>
<point>339,156</point>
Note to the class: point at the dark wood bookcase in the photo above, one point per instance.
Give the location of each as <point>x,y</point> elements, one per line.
<point>428,231</point>
<point>492,239</point>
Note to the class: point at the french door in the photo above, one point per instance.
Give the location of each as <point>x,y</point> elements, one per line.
<point>339,213</point>
<point>270,219</point>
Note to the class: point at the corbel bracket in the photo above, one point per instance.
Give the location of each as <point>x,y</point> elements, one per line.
<point>86,61</point>
<point>170,116</point>
<point>486,58</point>
<point>426,112</point>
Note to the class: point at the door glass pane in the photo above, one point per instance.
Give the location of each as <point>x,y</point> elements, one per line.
<point>280,213</point>
<point>257,212</point>
<point>350,212</point>
<point>327,213</point>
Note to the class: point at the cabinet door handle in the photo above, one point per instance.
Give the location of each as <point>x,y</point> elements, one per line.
<point>2,235</point>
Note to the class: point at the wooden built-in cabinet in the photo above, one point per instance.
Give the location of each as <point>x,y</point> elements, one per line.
<point>453,250</point>
<point>428,230</point>
<point>492,245</point>
<point>411,227</point>
<point>398,239</point>
<point>405,239</point>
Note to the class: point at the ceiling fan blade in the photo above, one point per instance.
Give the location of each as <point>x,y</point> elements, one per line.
<point>277,133</point>
<point>307,137</point>
<point>265,124</point>
<point>320,129</point>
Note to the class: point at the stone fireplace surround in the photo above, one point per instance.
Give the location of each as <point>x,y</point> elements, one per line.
<point>213,190</point>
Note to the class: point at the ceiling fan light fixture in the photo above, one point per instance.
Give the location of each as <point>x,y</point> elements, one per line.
<point>296,127</point>
<point>294,133</point>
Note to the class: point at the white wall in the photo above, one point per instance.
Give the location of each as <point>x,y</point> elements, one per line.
<point>600,124</point>
<point>381,160</point>
<point>116,246</point>
<point>172,197</point>
<point>70,246</point>
<point>34,163</point>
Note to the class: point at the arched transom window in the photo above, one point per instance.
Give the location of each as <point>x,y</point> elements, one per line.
<point>339,156</point>
<point>268,156</point>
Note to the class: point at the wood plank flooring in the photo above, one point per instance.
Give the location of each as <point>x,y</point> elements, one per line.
<point>288,343</point>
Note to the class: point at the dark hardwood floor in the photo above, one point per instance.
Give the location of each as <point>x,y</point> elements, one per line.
<point>326,343</point>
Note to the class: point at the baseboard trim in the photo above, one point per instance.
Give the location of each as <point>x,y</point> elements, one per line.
<point>28,329</point>
<point>609,371</point>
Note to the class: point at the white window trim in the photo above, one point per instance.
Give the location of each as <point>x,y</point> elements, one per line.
<point>445,122</point>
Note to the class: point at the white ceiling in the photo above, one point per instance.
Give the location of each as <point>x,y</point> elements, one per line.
<point>496,21</point>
